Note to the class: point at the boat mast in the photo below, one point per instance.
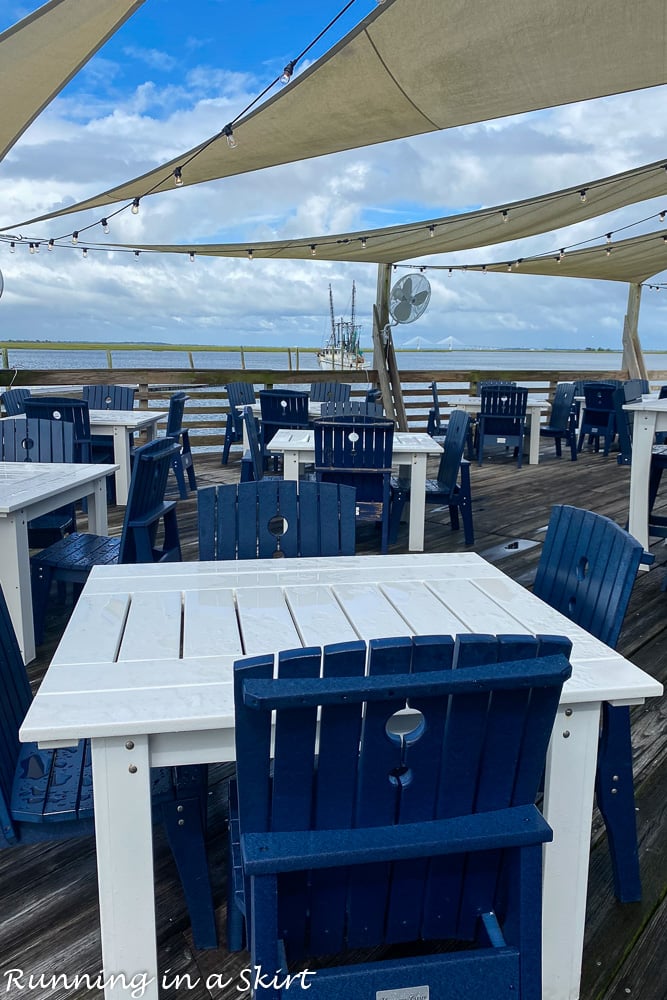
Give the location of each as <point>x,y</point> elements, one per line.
<point>333,319</point>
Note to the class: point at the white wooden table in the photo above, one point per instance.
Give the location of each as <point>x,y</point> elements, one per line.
<point>534,409</point>
<point>27,490</point>
<point>121,424</point>
<point>649,416</point>
<point>144,669</point>
<point>411,451</point>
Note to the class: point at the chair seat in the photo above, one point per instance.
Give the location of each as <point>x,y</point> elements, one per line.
<point>78,553</point>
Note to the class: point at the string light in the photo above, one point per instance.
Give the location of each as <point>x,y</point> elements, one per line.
<point>583,198</point>
<point>363,242</point>
<point>178,177</point>
<point>505,215</point>
<point>50,245</point>
<point>287,72</point>
<point>84,253</point>
<point>229,132</point>
<point>136,254</point>
<point>192,257</point>
<point>249,254</point>
<point>561,253</point>
<point>431,231</point>
<point>509,265</point>
<point>32,248</point>
<point>661,217</point>
<point>135,207</point>
<point>609,237</point>
<point>75,237</point>
<point>12,247</point>
<point>105,227</point>
<point>313,249</point>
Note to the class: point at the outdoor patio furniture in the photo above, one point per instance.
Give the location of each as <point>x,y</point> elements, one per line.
<point>562,425</point>
<point>598,417</point>
<point>350,408</point>
<point>47,794</point>
<point>275,518</point>
<point>13,401</point>
<point>586,571</point>
<point>371,824</point>
<point>74,411</point>
<point>239,394</point>
<point>435,426</point>
<point>502,418</point>
<point>357,451</point>
<point>282,408</point>
<point>445,489</point>
<point>181,462</point>
<point>325,392</point>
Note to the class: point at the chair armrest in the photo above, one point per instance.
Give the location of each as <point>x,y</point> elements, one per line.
<point>270,853</point>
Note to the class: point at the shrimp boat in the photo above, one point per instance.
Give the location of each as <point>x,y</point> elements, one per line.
<point>342,350</point>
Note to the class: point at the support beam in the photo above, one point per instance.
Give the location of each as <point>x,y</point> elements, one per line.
<point>633,358</point>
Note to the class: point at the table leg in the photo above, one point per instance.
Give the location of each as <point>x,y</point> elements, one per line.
<point>98,522</point>
<point>15,577</point>
<point>290,465</point>
<point>643,436</point>
<point>534,439</point>
<point>123,834</point>
<point>121,455</point>
<point>417,502</point>
<point>568,808</point>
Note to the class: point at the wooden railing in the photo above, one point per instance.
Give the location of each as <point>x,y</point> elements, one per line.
<point>206,411</point>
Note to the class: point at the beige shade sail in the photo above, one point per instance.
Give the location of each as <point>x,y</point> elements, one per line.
<point>633,261</point>
<point>485,227</point>
<point>417,66</point>
<point>41,53</point>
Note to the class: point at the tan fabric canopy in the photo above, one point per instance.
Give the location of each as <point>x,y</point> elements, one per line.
<point>455,232</point>
<point>416,66</point>
<point>41,53</point>
<point>633,261</point>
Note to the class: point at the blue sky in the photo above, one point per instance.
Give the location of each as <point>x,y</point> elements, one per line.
<point>173,75</point>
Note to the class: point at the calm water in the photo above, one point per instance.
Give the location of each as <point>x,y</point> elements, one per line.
<point>442,360</point>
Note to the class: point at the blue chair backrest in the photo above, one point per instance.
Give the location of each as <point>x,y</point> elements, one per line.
<point>330,392</point>
<point>50,441</point>
<point>13,401</point>
<point>14,703</point>
<point>13,432</point>
<point>599,396</point>
<point>239,394</point>
<point>455,442</point>
<point>109,397</point>
<point>274,518</point>
<point>587,570</point>
<point>254,444</point>
<point>175,415</point>
<point>282,408</point>
<point>506,405</point>
<point>150,469</point>
<point>62,408</point>
<point>355,451</point>
<point>561,407</point>
<point>485,711</point>
<point>351,407</point>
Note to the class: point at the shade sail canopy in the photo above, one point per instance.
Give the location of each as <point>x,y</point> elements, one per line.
<point>417,66</point>
<point>634,261</point>
<point>41,53</point>
<point>485,227</point>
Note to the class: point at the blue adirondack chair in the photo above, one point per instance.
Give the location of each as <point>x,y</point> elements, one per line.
<point>181,461</point>
<point>562,425</point>
<point>109,397</point>
<point>351,408</point>
<point>435,426</point>
<point>74,411</point>
<point>586,571</point>
<point>445,489</point>
<point>239,394</point>
<point>71,559</point>
<point>48,794</point>
<point>13,401</point>
<point>254,461</point>
<point>330,392</point>
<point>46,441</point>
<point>274,518</point>
<point>357,451</point>
<point>364,825</point>
<point>282,408</point>
<point>502,418</point>
<point>598,415</point>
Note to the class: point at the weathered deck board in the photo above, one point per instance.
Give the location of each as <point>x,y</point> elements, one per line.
<point>48,903</point>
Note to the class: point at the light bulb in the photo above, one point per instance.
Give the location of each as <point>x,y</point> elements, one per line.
<point>313,249</point>
<point>31,247</point>
<point>231,141</point>
<point>582,197</point>
<point>192,257</point>
<point>561,254</point>
<point>84,253</point>
<point>608,237</point>
<point>363,242</point>
<point>135,207</point>
<point>51,244</point>
<point>249,254</point>
<point>431,231</point>
<point>136,254</point>
<point>662,216</point>
<point>608,251</point>
<point>12,247</point>
<point>36,247</point>
<point>75,237</point>
<point>506,215</point>
<point>509,266</point>
<point>287,72</point>
<point>178,177</point>
<point>105,227</point>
